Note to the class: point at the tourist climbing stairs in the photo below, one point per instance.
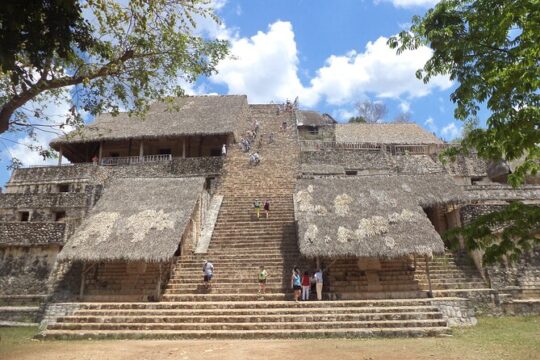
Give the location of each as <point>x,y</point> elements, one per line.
<point>241,242</point>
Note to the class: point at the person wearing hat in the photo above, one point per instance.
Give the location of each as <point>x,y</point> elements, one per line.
<point>257,206</point>
<point>208,271</point>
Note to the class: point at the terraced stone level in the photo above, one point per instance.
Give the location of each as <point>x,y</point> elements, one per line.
<point>268,319</point>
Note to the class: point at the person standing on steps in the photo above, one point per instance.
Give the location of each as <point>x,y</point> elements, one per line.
<point>257,206</point>
<point>208,271</point>
<point>306,286</point>
<point>296,283</point>
<point>262,279</point>
<point>318,276</point>
<point>267,207</point>
<point>224,150</point>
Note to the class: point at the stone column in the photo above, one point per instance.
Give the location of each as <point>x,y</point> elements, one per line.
<point>60,154</point>
<point>371,266</point>
<point>100,153</point>
<point>184,147</point>
<point>141,151</point>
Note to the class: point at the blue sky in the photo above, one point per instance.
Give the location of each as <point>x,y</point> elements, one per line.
<point>331,54</point>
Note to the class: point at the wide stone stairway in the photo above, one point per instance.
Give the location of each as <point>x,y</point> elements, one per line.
<point>232,307</point>
<point>451,275</point>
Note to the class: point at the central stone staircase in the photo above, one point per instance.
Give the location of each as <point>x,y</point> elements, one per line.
<point>240,243</point>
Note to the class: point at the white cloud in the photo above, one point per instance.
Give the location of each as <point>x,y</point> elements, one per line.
<point>411,3</point>
<point>378,70</point>
<point>57,112</point>
<point>405,106</point>
<point>430,124</point>
<point>265,67</point>
<point>344,114</point>
<point>451,131</point>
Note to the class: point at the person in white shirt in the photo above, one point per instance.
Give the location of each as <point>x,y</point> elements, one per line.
<point>208,271</point>
<point>224,150</point>
<point>318,276</point>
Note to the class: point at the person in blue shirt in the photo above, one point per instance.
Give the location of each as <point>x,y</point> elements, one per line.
<point>296,283</point>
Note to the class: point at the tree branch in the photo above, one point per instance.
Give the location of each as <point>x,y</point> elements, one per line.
<point>43,85</point>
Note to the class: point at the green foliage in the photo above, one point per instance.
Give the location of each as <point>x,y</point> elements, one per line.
<point>509,232</point>
<point>491,48</point>
<point>140,51</point>
<point>357,119</point>
<point>40,30</point>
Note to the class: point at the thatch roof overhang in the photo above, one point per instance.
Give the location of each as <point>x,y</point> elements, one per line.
<point>185,116</point>
<point>370,216</point>
<point>411,134</point>
<point>136,219</point>
<point>313,118</point>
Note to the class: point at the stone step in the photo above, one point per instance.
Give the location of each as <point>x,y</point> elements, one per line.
<point>217,288</point>
<point>19,314</point>
<point>224,297</point>
<point>364,304</point>
<point>250,334</point>
<point>22,300</point>
<point>302,324</point>
<point>253,311</point>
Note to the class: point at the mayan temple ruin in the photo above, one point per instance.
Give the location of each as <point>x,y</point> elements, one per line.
<point>111,243</point>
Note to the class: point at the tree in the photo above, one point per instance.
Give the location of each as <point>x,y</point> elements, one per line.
<point>122,55</point>
<point>357,120</point>
<point>40,29</point>
<point>491,48</point>
<point>403,118</point>
<point>370,112</point>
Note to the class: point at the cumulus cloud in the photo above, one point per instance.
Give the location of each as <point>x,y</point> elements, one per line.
<point>263,66</point>
<point>378,70</point>
<point>451,131</point>
<point>266,66</point>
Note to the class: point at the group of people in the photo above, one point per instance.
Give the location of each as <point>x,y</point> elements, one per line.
<point>247,140</point>
<point>301,284</point>
<point>257,206</point>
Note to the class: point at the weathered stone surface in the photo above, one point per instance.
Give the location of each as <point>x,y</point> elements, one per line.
<point>31,233</point>
<point>25,270</point>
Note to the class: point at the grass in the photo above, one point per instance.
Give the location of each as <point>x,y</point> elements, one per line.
<point>493,338</point>
<point>14,337</point>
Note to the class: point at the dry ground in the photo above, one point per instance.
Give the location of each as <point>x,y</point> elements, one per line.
<point>513,338</point>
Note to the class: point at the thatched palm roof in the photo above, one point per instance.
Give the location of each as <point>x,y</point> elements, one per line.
<point>313,118</point>
<point>384,134</point>
<point>136,219</point>
<point>370,216</point>
<point>189,115</point>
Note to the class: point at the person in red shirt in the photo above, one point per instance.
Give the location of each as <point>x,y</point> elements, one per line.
<point>306,286</point>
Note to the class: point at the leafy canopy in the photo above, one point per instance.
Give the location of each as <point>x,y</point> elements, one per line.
<point>492,49</point>
<point>109,55</point>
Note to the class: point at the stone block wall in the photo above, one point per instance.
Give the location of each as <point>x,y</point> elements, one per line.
<point>352,159</point>
<point>457,312</point>
<point>31,233</point>
<point>523,274</point>
<point>129,281</point>
<point>325,133</point>
<point>25,270</point>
